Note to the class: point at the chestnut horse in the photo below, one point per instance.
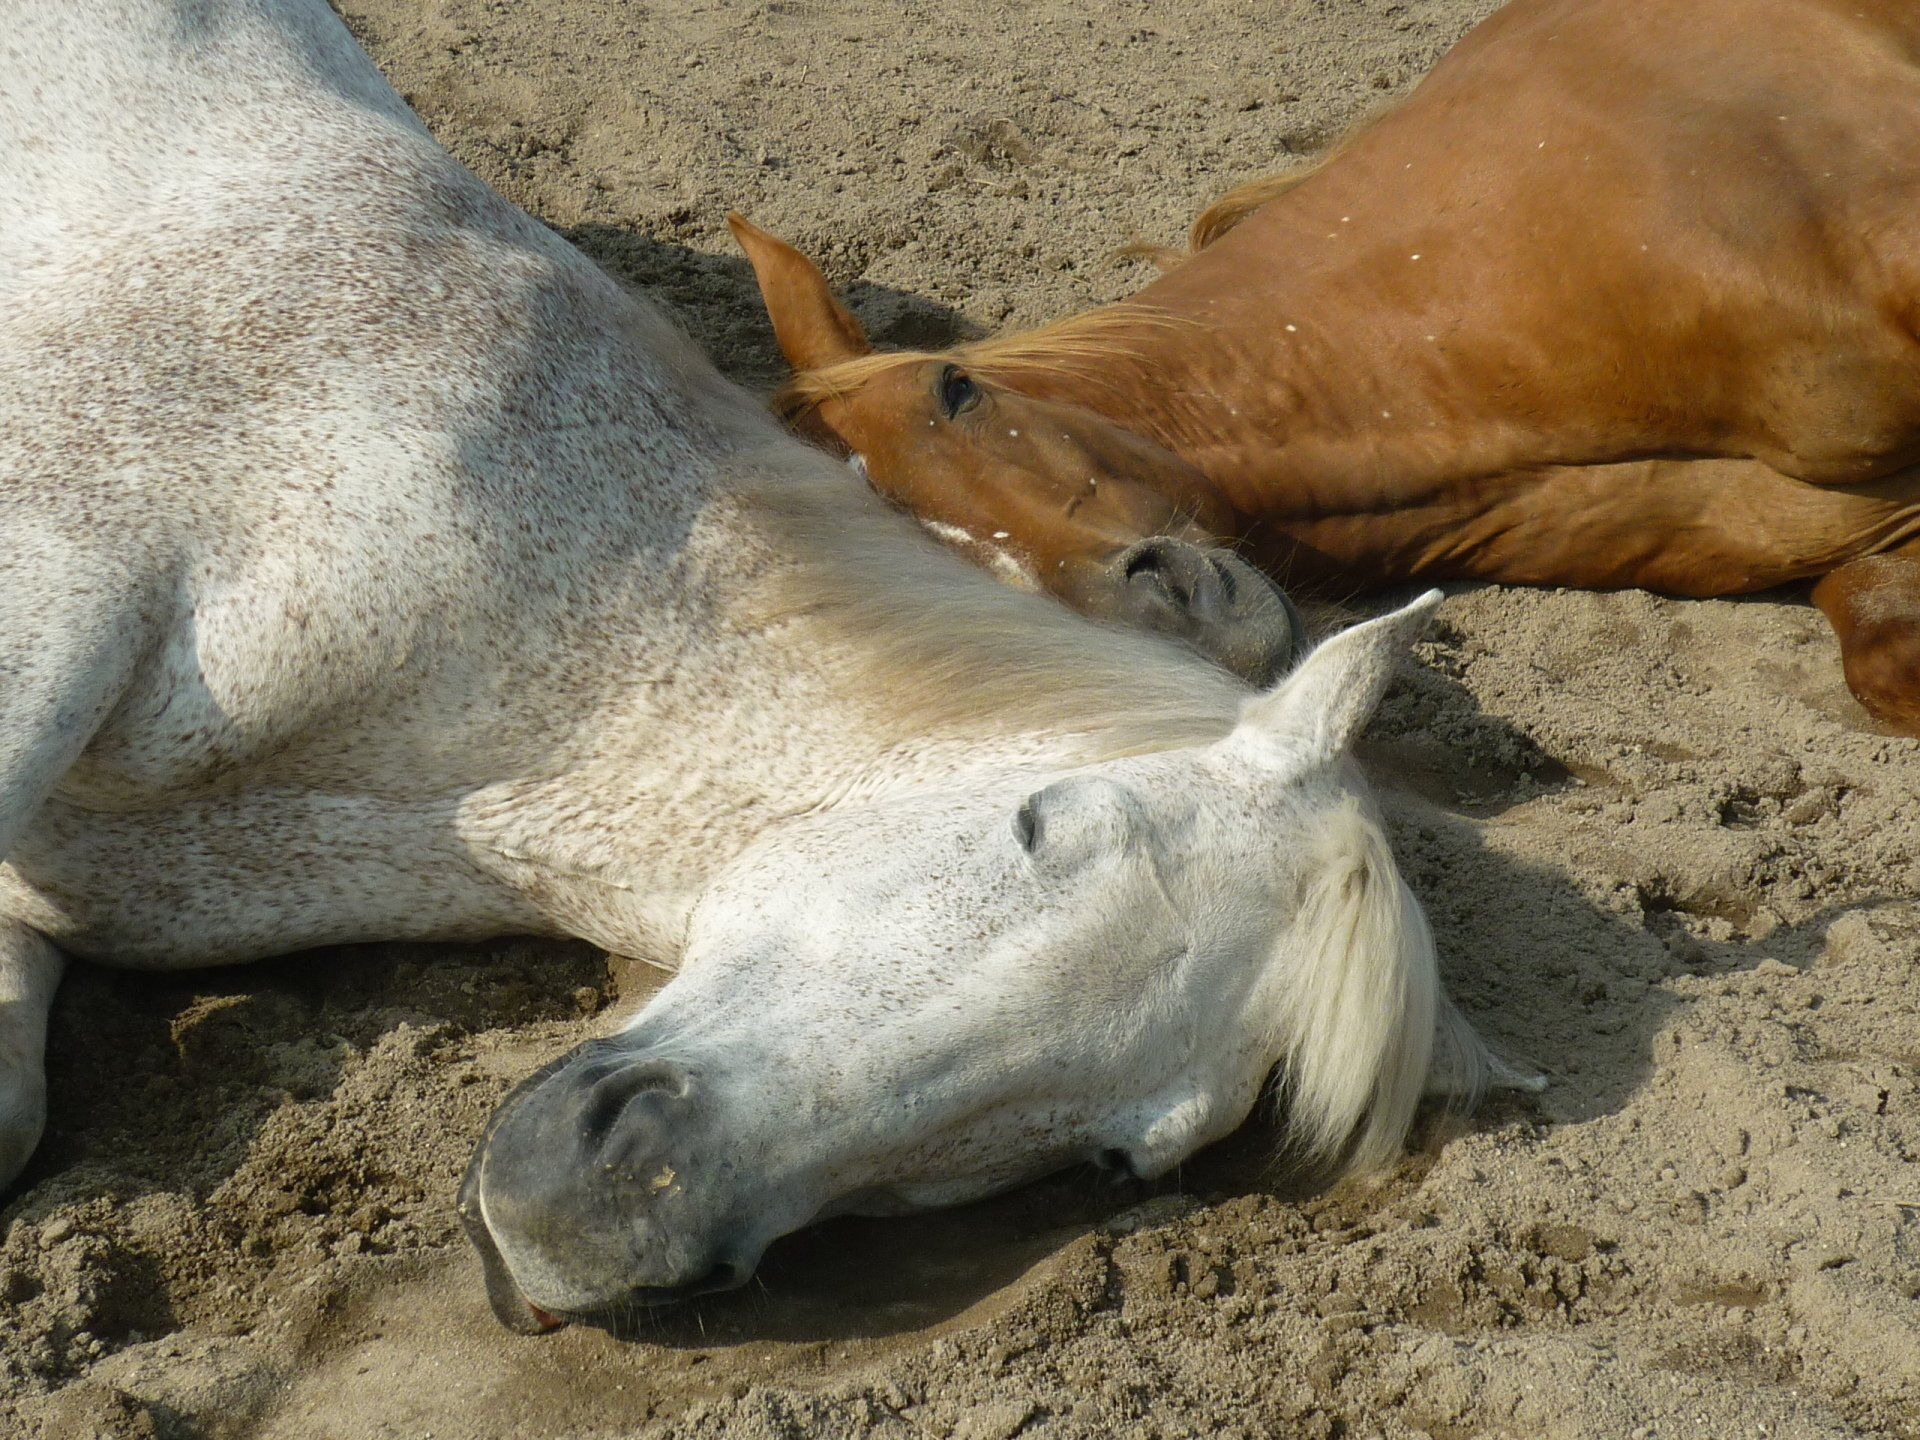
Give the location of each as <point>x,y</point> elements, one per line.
<point>1624,294</point>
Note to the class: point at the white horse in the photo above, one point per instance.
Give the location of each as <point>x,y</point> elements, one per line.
<point>373,567</point>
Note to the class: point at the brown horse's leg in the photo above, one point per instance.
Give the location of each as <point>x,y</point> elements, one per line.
<point>1874,604</point>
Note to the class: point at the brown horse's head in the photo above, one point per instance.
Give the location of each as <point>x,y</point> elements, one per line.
<point>1047,494</point>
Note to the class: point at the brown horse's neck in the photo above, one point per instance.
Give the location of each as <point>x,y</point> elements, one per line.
<point>1261,372</point>
<point>1343,334</point>
<point>1321,391</point>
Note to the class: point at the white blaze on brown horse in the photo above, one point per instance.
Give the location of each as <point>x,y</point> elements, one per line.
<point>1624,294</point>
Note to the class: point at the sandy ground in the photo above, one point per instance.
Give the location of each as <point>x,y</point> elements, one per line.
<point>1668,859</point>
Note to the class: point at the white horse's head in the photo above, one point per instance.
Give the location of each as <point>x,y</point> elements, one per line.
<point>917,1001</point>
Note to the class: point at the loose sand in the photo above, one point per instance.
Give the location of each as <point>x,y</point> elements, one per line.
<point>1669,861</point>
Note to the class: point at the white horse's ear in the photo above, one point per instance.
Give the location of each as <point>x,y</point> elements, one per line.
<point>1317,712</point>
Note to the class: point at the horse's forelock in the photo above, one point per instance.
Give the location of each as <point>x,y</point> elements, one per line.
<point>1355,1017</point>
<point>807,390</point>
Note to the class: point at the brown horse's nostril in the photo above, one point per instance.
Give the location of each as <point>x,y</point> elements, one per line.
<point>1212,599</point>
<point>1160,567</point>
<point>1142,562</point>
<point>1164,572</point>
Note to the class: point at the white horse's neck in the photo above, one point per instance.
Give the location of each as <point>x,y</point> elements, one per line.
<point>850,659</point>
<point>543,557</point>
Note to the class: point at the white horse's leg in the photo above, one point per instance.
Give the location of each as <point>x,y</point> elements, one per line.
<point>72,632</point>
<point>74,624</point>
<point>29,973</point>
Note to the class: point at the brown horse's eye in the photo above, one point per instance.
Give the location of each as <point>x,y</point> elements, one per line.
<point>957,391</point>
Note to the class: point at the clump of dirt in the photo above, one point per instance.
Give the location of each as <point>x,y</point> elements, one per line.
<point>1668,860</point>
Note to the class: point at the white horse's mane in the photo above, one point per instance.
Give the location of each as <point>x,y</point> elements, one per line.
<point>1355,1014</point>
<point>1362,1026</point>
<point>951,649</point>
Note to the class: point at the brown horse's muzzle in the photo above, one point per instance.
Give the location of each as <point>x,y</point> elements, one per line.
<point>1212,599</point>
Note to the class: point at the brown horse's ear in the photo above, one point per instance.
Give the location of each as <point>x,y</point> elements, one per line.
<point>814,329</point>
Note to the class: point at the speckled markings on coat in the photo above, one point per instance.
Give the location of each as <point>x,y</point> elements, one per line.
<point>390,512</point>
<point>379,569</point>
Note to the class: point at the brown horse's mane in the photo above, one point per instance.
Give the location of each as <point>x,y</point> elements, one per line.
<point>1223,214</point>
<point>1080,348</point>
<point>1243,199</point>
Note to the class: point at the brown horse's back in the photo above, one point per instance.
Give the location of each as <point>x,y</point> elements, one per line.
<point>1604,230</point>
